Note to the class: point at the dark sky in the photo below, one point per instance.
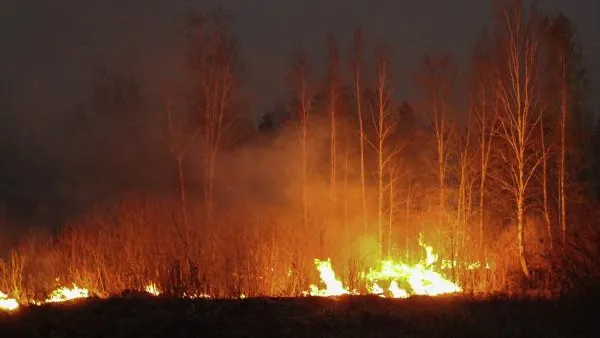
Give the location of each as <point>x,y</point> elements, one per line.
<point>49,47</point>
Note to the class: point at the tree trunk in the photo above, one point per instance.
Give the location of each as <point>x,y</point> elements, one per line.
<point>545,183</point>
<point>358,94</point>
<point>521,237</point>
<point>333,96</point>
<point>346,186</point>
<point>481,214</point>
<point>182,197</point>
<point>390,217</point>
<point>408,204</point>
<point>304,179</point>
<point>380,193</point>
<point>562,173</point>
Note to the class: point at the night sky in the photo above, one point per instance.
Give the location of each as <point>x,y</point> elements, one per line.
<point>48,48</point>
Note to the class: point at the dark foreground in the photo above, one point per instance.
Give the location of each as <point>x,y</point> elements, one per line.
<point>307,317</point>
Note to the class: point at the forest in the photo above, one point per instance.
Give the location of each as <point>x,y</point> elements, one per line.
<point>492,168</point>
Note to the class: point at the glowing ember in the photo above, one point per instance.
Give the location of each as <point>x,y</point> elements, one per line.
<point>196,295</point>
<point>65,294</point>
<point>334,286</point>
<point>152,289</point>
<point>401,279</point>
<point>7,304</point>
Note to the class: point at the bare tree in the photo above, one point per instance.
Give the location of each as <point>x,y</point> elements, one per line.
<point>517,89</point>
<point>564,111</point>
<point>546,151</point>
<point>394,173</point>
<point>435,79</point>
<point>384,122</point>
<point>357,61</point>
<point>484,107</point>
<point>561,53</point>
<point>180,137</point>
<point>303,103</point>
<point>333,97</point>
<point>566,77</point>
<point>214,65</point>
<point>464,190</point>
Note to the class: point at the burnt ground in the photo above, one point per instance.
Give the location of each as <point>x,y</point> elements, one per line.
<point>352,316</point>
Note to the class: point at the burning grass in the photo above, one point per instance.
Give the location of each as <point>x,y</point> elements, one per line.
<point>418,279</point>
<point>399,280</point>
<point>7,304</point>
<point>132,250</point>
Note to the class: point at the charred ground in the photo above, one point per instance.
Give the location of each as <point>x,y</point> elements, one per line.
<point>351,316</point>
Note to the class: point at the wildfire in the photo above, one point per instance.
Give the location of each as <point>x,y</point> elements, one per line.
<point>420,279</point>
<point>389,279</point>
<point>402,280</point>
<point>334,286</point>
<point>64,294</point>
<point>152,289</point>
<point>7,304</point>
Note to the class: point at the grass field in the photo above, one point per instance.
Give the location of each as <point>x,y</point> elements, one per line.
<point>352,316</point>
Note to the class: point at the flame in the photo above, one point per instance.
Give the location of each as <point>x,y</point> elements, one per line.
<point>152,289</point>
<point>431,258</point>
<point>421,280</point>
<point>334,286</point>
<point>64,294</point>
<point>196,295</point>
<point>417,279</point>
<point>396,291</point>
<point>7,304</point>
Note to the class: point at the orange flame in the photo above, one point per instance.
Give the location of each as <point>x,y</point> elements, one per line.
<point>419,279</point>
<point>152,289</point>
<point>65,294</point>
<point>333,286</point>
<point>8,304</point>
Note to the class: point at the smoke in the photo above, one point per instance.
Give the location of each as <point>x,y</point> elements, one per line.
<point>58,158</point>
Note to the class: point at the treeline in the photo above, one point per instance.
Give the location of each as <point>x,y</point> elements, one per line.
<point>492,164</point>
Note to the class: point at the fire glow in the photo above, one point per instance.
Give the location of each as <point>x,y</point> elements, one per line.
<point>401,280</point>
<point>60,295</point>
<point>152,289</point>
<point>389,279</point>
<point>65,294</point>
<point>8,304</point>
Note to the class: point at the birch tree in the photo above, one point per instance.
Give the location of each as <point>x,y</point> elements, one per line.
<point>333,97</point>
<point>435,80</point>
<point>562,55</point>
<point>303,103</point>
<point>517,88</point>
<point>180,135</point>
<point>484,107</point>
<point>384,122</point>
<point>357,61</point>
<point>214,65</point>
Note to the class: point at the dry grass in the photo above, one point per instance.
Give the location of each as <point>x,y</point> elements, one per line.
<point>141,240</point>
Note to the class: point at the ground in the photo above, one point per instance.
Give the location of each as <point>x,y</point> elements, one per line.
<point>352,316</point>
